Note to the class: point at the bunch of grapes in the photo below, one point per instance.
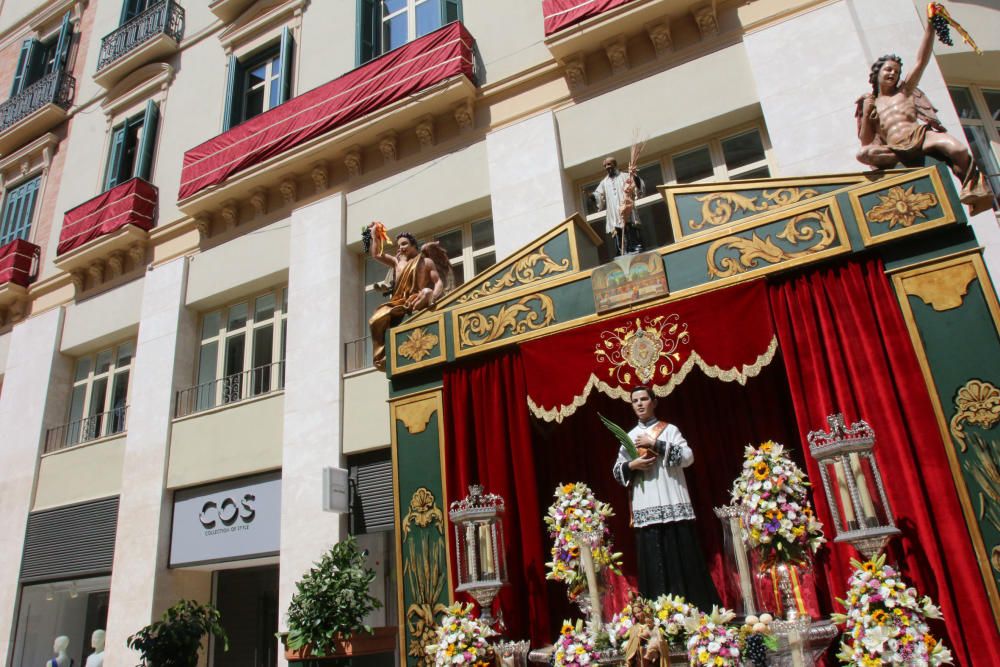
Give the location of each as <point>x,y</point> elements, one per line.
<point>754,650</point>
<point>941,26</point>
<point>366,238</point>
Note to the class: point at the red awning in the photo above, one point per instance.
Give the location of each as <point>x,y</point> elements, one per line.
<point>131,203</point>
<point>727,334</point>
<point>560,14</point>
<point>17,259</point>
<point>398,74</point>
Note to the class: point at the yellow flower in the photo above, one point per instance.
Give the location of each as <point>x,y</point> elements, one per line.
<point>767,446</point>
<point>704,656</point>
<point>930,643</point>
<point>879,616</point>
<point>719,661</point>
<point>450,651</point>
<point>870,567</point>
<point>567,629</point>
<point>761,471</point>
<point>870,662</point>
<point>568,488</point>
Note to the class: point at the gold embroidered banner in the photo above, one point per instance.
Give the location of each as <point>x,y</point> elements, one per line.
<point>726,333</point>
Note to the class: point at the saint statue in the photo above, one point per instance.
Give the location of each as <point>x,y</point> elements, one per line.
<point>897,123</point>
<point>419,277</point>
<point>616,195</point>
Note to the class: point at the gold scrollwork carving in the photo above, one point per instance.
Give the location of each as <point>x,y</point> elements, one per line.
<point>425,580</point>
<point>754,250</point>
<point>650,346</point>
<point>718,208</point>
<point>423,512</point>
<point>901,207</point>
<point>984,467</point>
<point>526,270</point>
<point>418,344</point>
<point>977,403</point>
<point>519,317</point>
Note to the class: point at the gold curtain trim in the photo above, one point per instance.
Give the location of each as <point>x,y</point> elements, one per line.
<point>740,375</point>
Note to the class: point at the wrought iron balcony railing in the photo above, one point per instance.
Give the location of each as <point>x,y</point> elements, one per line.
<point>230,389</point>
<point>83,430</point>
<point>163,18</point>
<point>358,354</point>
<point>53,88</point>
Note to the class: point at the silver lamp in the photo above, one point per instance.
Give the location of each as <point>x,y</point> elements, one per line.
<point>482,566</point>
<point>853,484</point>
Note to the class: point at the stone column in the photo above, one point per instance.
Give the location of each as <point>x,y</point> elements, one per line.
<point>809,70</point>
<point>529,189</point>
<point>34,365</point>
<point>313,388</point>
<point>141,585</point>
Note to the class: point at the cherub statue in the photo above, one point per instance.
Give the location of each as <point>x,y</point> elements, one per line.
<point>897,123</point>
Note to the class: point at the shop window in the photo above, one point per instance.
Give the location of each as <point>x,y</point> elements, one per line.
<point>19,211</point>
<point>470,249</point>
<point>242,353</point>
<point>384,25</point>
<point>132,144</point>
<point>72,608</point>
<point>260,81</point>
<point>730,156</point>
<point>39,58</point>
<point>979,110</point>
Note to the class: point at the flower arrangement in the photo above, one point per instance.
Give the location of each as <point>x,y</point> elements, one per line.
<point>619,628</point>
<point>778,519</point>
<point>461,639</point>
<point>670,612</point>
<point>885,622</point>
<point>574,648</point>
<point>577,516</point>
<point>712,641</point>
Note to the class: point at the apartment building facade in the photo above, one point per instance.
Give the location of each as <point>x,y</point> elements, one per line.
<point>183,294</point>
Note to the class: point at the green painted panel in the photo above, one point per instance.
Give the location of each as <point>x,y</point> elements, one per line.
<point>421,520</point>
<point>962,345</point>
<point>900,207</point>
<point>702,211</point>
<point>923,247</point>
<point>420,343</point>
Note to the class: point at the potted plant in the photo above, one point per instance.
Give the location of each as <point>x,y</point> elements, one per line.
<point>175,640</point>
<point>329,607</point>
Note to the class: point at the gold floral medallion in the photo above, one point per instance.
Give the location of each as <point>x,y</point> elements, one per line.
<point>423,511</point>
<point>901,207</point>
<point>647,347</point>
<point>976,403</point>
<point>418,344</point>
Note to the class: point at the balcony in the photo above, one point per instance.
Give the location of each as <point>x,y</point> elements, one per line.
<point>358,355</point>
<point>94,427</point>
<point>35,110</point>
<point>103,236</point>
<point>150,36</point>
<point>234,388</point>
<point>430,75</point>
<point>18,267</point>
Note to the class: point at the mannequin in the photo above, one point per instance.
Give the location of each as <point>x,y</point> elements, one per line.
<point>96,659</point>
<point>59,647</point>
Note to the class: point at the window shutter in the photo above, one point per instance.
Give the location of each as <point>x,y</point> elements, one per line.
<point>23,64</point>
<point>234,95</point>
<point>62,46</point>
<point>131,9</point>
<point>369,30</point>
<point>147,145</point>
<point>18,211</point>
<point>372,506</point>
<point>287,53</point>
<point>111,175</point>
<point>451,10</point>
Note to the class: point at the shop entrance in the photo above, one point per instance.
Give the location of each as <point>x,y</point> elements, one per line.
<point>248,601</point>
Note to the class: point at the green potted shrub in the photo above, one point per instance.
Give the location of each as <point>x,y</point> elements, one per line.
<point>175,640</point>
<point>329,607</point>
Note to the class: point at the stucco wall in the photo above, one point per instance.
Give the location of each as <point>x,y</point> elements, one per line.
<point>104,319</point>
<point>78,474</point>
<point>366,412</point>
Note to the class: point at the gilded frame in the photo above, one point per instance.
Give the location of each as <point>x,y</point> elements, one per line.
<point>864,227</point>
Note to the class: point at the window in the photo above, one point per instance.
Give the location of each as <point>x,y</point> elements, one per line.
<point>371,517</point>
<point>730,157</point>
<point>384,25</point>
<point>470,248</point>
<point>132,145</point>
<point>979,110</point>
<point>259,81</point>
<point>242,353</point>
<point>100,395</point>
<point>132,8</point>
<point>40,58</point>
<point>18,211</point>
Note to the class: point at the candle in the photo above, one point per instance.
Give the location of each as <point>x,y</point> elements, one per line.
<point>486,551</point>
<point>587,559</point>
<point>867,506</point>
<point>850,522</point>
<point>470,551</point>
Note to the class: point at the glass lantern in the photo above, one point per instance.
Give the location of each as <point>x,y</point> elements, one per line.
<point>853,484</point>
<point>479,540</point>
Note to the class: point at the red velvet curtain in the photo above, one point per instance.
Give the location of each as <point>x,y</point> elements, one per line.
<point>846,349</point>
<point>488,440</point>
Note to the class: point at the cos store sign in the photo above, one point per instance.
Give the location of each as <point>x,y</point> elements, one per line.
<point>232,520</point>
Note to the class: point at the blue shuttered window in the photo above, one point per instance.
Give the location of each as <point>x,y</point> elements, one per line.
<point>36,58</point>
<point>260,81</point>
<point>383,25</point>
<point>18,211</point>
<point>132,145</point>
